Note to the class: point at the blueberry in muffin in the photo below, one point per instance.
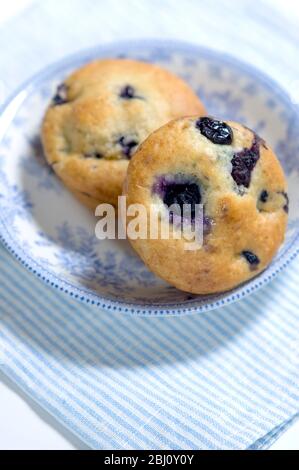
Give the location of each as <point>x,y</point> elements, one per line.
<point>238,180</point>
<point>99,116</point>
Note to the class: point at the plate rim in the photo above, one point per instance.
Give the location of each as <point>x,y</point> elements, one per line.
<point>86,295</point>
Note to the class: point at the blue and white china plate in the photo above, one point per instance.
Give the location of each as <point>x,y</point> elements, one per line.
<point>52,235</point>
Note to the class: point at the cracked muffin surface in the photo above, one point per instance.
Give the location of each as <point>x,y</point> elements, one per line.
<point>99,116</point>
<point>240,183</point>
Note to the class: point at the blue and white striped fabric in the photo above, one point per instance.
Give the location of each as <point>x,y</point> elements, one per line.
<point>226,379</point>
<point>223,379</point>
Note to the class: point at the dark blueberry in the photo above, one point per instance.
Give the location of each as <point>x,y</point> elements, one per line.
<point>61,95</point>
<point>286,206</point>
<point>128,92</point>
<point>264,196</point>
<point>93,155</point>
<point>181,194</point>
<point>127,145</point>
<point>180,191</point>
<point>217,132</point>
<point>160,186</point>
<point>207,225</point>
<point>244,162</point>
<point>251,258</point>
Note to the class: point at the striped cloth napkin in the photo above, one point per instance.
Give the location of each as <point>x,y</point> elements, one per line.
<point>226,379</point>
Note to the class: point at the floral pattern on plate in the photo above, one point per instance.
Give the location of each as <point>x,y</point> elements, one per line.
<point>53,235</point>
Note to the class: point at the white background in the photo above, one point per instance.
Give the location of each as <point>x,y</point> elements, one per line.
<point>23,424</point>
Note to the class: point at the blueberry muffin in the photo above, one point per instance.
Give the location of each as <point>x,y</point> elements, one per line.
<point>238,180</point>
<point>99,116</point>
